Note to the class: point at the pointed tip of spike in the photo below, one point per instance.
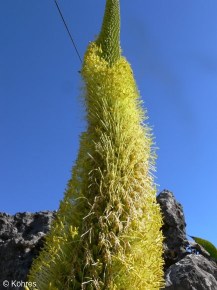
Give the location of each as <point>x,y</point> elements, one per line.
<point>109,37</point>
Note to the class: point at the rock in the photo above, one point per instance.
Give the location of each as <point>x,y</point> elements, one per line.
<point>193,272</point>
<point>175,242</point>
<point>21,237</point>
<point>183,270</point>
<point>198,249</point>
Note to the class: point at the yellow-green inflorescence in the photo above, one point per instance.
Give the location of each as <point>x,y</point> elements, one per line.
<point>107,231</point>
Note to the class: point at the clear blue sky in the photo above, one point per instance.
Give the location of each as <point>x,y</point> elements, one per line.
<point>172,46</point>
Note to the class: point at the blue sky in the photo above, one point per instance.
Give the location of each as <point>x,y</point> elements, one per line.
<point>172,47</point>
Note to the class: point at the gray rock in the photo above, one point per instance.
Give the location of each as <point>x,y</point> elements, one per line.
<point>193,272</point>
<point>175,242</point>
<point>183,270</point>
<point>21,238</point>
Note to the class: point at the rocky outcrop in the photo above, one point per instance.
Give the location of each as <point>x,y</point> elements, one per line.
<point>187,265</point>
<point>194,272</point>
<point>21,237</point>
<point>175,242</point>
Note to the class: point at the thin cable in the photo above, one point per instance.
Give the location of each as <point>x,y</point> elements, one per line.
<point>74,45</point>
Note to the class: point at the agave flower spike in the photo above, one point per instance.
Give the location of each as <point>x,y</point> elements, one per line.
<point>107,234</point>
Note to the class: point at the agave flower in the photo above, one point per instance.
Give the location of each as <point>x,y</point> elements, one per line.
<point>107,231</point>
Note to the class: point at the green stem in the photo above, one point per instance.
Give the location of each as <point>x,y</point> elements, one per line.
<point>109,37</point>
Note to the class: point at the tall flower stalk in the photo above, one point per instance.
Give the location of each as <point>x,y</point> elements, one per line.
<point>107,231</point>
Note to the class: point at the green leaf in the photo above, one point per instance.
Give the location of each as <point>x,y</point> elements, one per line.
<point>208,246</point>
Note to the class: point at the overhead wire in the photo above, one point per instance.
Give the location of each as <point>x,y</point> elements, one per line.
<point>64,22</point>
